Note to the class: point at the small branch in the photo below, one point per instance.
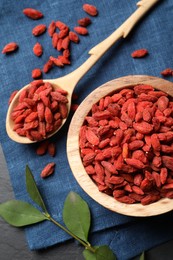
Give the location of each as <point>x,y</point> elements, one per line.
<point>86,245</point>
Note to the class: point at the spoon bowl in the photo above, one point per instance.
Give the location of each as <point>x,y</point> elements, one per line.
<point>68,82</point>
<point>73,152</point>
<point>10,123</point>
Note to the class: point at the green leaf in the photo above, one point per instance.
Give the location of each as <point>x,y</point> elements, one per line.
<point>142,256</point>
<point>19,213</point>
<point>76,215</point>
<point>88,255</point>
<point>101,253</point>
<point>33,190</point>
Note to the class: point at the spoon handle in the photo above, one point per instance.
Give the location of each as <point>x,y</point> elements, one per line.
<point>143,7</point>
<point>97,51</point>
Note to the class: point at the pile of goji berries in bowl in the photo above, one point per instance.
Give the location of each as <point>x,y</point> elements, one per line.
<point>120,146</point>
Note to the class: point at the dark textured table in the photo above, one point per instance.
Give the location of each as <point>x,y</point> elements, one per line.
<point>13,245</point>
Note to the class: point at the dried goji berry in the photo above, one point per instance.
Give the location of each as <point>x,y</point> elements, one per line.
<point>167,72</point>
<point>81,30</point>
<point>92,137</point>
<point>47,66</point>
<point>63,33</point>
<point>38,49</point>
<point>32,13</point>
<point>55,38</point>
<point>139,53</point>
<point>126,199</point>
<point>60,25</point>
<point>51,149</point>
<point>150,198</point>
<point>167,161</point>
<point>56,61</point>
<point>51,28</point>
<point>135,163</point>
<point>42,147</point>
<point>66,42</point>
<point>10,47</point>
<point>143,127</point>
<point>39,29</point>
<point>84,21</point>
<point>48,170</point>
<point>64,60</point>
<point>90,9</point>
<point>36,73</point>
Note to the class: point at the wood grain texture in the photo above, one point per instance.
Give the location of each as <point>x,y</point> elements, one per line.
<point>163,205</point>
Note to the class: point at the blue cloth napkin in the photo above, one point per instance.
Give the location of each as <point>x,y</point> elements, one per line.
<point>127,236</point>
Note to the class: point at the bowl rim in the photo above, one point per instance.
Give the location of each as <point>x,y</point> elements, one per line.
<point>73,153</point>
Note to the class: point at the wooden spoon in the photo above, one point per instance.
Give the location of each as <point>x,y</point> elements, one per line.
<point>69,81</point>
<point>73,153</point>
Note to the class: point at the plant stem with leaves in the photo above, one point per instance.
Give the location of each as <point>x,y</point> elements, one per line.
<point>19,213</point>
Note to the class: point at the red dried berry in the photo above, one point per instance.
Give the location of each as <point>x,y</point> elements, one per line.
<point>39,29</point>
<point>64,59</point>
<point>32,13</point>
<point>48,170</point>
<point>38,49</point>
<point>167,72</point>
<point>139,53</point>
<point>66,53</point>
<point>84,21</point>
<point>36,73</point>
<point>47,66</point>
<point>10,47</point>
<point>60,25</point>
<point>56,61</point>
<point>55,38</point>
<point>81,30</point>
<point>73,37</point>
<point>51,28</point>
<point>90,9</point>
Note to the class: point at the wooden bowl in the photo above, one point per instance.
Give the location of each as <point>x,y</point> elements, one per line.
<point>163,205</point>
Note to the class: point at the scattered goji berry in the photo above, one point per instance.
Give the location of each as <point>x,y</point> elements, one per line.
<point>84,21</point>
<point>10,47</point>
<point>90,9</point>
<point>42,147</point>
<point>66,42</point>
<point>47,66</point>
<point>32,13</point>
<point>48,170</point>
<point>60,25</point>
<point>38,49</point>
<point>51,149</point>
<point>167,72</point>
<point>64,59</point>
<point>81,30</point>
<point>73,37</point>
<point>63,33</point>
<point>55,38</point>
<point>56,61</point>
<point>51,28</point>
<point>39,29</point>
<point>139,53</point>
<point>36,73</point>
